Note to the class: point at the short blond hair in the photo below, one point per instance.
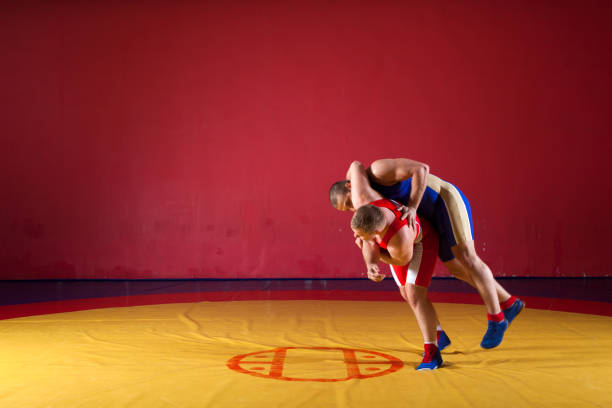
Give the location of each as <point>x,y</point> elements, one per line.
<point>368,218</point>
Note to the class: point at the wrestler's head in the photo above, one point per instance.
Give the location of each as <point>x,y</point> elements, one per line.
<point>367,222</point>
<point>340,196</point>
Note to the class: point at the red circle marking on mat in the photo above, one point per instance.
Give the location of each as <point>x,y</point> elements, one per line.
<point>347,356</point>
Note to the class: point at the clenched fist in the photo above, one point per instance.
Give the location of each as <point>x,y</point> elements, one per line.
<point>374,273</point>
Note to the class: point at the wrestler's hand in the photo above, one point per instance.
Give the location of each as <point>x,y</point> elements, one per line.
<point>409,214</point>
<point>374,273</point>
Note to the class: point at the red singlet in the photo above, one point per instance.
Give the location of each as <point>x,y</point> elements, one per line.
<point>420,268</point>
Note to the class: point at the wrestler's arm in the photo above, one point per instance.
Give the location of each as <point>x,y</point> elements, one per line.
<point>400,247</point>
<point>390,171</point>
<point>361,192</point>
<point>371,255</point>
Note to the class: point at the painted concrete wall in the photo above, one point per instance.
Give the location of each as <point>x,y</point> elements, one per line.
<point>199,139</point>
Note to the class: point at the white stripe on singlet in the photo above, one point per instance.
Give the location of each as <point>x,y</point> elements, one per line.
<point>394,275</point>
<point>413,268</point>
<point>415,263</point>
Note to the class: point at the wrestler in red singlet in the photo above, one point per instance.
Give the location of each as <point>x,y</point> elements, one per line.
<point>420,268</point>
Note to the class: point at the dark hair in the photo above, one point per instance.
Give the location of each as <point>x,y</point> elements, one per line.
<point>367,218</point>
<point>337,189</point>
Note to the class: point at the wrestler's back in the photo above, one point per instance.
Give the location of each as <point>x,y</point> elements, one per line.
<point>400,192</point>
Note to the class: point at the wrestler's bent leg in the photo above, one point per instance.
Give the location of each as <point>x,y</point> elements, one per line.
<point>423,311</point>
<point>457,269</point>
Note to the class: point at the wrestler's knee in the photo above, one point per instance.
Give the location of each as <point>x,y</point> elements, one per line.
<point>415,296</point>
<point>456,269</point>
<point>466,254</point>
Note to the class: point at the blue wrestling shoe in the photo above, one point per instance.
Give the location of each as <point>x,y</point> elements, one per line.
<point>431,362</point>
<point>513,311</point>
<point>443,340</point>
<point>494,334</point>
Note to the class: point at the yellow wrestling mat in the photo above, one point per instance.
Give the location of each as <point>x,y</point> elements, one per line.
<point>299,353</point>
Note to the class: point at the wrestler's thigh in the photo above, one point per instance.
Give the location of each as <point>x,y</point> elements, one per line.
<point>403,293</point>
<point>455,215</point>
<point>465,253</point>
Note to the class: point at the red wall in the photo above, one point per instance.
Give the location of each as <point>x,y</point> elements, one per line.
<point>199,139</point>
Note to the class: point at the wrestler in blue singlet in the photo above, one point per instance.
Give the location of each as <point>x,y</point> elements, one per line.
<point>443,205</point>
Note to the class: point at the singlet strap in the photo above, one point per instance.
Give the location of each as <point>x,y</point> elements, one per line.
<point>397,222</point>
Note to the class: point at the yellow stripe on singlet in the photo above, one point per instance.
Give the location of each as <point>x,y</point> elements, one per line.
<point>457,211</point>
